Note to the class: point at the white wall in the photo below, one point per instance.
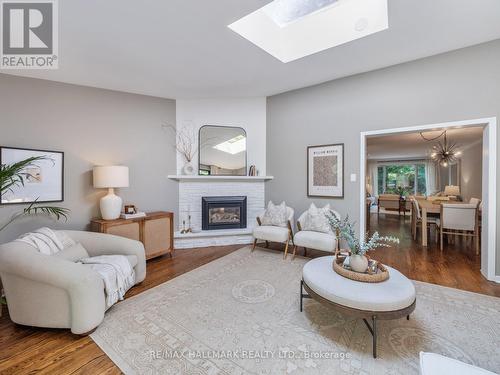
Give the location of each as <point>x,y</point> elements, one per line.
<point>92,127</point>
<point>471,172</point>
<point>455,86</point>
<point>248,113</point>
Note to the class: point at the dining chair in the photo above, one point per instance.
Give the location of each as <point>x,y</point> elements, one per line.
<point>475,201</point>
<point>416,220</point>
<point>460,220</point>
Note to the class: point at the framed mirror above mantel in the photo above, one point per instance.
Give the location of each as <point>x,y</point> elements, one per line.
<point>222,151</point>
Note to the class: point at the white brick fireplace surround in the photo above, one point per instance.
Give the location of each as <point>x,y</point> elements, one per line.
<point>193,188</point>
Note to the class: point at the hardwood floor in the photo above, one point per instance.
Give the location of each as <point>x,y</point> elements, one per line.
<point>28,350</point>
<point>25,350</point>
<point>456,267</point>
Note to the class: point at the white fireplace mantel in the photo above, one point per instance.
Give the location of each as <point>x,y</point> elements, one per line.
<point>191,191</point>
<point>219,178</point>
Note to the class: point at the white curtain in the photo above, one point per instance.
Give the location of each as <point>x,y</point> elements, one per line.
<point>372,178</point>
<point>431,177</point>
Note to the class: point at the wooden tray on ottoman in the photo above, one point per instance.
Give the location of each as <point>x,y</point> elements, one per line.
<point>382,273</point>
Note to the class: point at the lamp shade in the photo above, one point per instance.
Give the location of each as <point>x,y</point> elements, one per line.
<point>452,190</point>
<point>114,176</point>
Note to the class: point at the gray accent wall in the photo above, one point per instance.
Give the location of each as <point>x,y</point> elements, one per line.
<point>471,174</point>
<point>459,85</point>
<point>92,127</point>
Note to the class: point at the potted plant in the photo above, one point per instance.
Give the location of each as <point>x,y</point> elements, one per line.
<point>358,261</point>
<point>14,175</point>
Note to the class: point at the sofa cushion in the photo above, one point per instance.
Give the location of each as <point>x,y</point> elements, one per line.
<point>73,253</point>
<point>275,215</point>
<point>435,364</point>
<point>271,233</point>
<point>315,240</point>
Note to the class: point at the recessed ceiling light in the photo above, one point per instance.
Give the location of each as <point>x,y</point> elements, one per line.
<point>292,29</point>
<point>233,146</point>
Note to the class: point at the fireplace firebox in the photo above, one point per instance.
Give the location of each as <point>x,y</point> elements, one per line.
<point>223,213</point>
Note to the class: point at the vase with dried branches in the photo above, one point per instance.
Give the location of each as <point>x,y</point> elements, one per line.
<point>185,144</point>
<point>358,249</point>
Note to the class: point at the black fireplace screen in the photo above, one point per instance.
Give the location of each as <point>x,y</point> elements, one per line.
<point>224,212</point>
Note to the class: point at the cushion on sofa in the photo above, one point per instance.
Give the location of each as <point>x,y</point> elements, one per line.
<point>73,253</point>
<point>316,240</point>
<point>271,233</point>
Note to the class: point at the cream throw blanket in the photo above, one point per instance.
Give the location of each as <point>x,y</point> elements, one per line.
<point>117,274</point>
<point>47,241</point>
<point>115,270</point>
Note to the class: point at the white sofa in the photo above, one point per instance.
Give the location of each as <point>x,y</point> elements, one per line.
<point>435,364</point>
<point>272,233</point>
<point>52,292</point>
<point>314,240</point>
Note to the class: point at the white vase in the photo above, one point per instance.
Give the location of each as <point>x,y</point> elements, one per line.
<point>188,168</point>
<point>358,263</point>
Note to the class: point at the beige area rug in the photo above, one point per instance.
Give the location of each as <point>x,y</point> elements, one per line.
<point>240,315</point>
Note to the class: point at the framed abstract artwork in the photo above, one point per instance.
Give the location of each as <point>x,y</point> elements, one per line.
<point>43,180</point>
<point>325,171</point>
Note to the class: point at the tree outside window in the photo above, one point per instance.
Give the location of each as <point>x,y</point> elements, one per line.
<point>407,178</point>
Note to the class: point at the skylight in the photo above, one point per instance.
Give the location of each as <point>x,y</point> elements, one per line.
<point>284,12</point>
<point>292,29</point>
<point>233,146</point>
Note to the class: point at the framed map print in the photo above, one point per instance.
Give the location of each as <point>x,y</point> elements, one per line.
<point>43,180</point>
<point>325,171</point>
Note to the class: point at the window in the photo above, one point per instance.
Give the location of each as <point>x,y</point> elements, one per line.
<point>395,178</point>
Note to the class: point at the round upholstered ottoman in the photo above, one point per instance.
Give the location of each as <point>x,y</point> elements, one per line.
<point>391,299</point>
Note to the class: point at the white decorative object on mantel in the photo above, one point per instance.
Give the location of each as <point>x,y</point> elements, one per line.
<point>188,169</point>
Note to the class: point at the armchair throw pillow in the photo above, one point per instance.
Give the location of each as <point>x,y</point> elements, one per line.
<point>275,215</point>
<point>315,219</point>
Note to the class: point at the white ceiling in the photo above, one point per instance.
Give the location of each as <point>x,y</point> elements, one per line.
<point>411,145</point>
<point>184,49</point>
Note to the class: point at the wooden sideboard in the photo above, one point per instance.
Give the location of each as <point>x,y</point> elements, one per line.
<point>155,231</point>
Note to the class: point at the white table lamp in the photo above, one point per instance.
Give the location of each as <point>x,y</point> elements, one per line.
<point>110,177</point>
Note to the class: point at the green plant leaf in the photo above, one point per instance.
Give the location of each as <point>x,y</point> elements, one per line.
<point>13,175</point>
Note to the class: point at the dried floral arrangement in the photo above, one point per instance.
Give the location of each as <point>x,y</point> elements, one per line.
<point>185,141</point>
<point>346,231</point>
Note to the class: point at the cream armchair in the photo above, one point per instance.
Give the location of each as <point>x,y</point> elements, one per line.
<point>51,292</point>
<point>271,233</point>
<point>314,240</point>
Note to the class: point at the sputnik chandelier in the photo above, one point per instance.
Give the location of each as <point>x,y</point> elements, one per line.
<point>443,153</point>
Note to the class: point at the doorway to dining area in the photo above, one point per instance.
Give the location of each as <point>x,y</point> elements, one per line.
<point>430,185</point>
